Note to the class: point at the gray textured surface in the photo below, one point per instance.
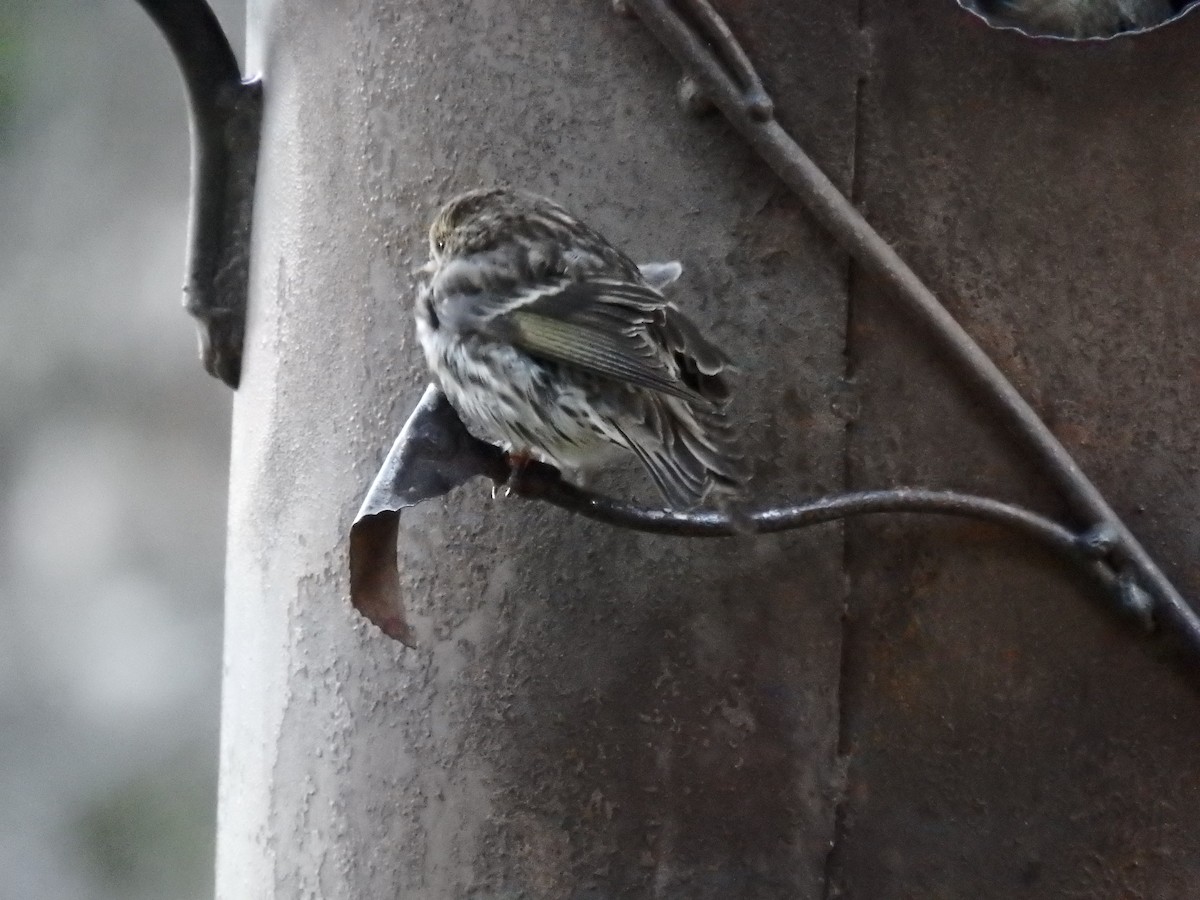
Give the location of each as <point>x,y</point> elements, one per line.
<point>591,713</point>
<point>110,579</point>
<point>1006,738</point>
<point>597,714</point>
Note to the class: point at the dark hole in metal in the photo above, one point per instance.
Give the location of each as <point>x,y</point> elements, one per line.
<point>1078,20</point>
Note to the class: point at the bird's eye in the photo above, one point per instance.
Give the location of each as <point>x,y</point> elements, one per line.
<point>440,244</point>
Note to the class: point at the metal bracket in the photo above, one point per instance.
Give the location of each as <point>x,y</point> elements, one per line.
<point>434,453</point>
<point>226,117</point>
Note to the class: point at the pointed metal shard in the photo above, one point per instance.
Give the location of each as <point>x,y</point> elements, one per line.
<point>433,455</point>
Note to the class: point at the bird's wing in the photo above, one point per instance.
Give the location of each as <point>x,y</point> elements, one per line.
<point>607,327</point>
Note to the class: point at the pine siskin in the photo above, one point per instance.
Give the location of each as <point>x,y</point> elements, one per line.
<point>551,343</point>
<point>1081,18</point>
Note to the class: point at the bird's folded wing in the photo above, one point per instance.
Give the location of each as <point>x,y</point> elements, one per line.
<point>602,353</point>
<point>600,326</point>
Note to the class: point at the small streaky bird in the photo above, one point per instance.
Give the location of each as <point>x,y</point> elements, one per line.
<point>1080,18</point>
<point>552,344</point>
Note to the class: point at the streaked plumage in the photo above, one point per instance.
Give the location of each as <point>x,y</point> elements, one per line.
<point>551,343</point>
<point>1081,18</point>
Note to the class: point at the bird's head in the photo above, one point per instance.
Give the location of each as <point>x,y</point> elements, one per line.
<point>483,220</point>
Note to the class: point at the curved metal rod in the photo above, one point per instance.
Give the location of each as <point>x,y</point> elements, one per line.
<point>876,256</point>
<point>226,113</point>
<point>829,508</point>
<point>1086,550</point>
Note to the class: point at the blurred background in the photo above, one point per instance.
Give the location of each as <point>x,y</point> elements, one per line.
<point>113,457</point>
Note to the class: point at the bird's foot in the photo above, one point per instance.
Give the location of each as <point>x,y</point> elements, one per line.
<point>519,465</point>
<point>516,462</point>
<point>527,475</point>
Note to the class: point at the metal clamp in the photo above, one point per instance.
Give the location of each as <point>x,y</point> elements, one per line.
<point>226,116</point>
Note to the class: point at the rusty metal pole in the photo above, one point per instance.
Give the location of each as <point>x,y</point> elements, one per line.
<point>589,712</point>
<point>595,713</point>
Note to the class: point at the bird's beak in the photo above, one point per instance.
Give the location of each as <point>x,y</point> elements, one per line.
<point>428,269</point>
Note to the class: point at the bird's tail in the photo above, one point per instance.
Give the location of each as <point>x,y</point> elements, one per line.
<point>689,453</point>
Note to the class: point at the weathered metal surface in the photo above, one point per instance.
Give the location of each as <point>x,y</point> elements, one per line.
<point>594,713</point>
<point>1003,739</point>
<point>590,712</point>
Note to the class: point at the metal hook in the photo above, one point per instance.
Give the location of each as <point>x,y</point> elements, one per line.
<point>226,115</point>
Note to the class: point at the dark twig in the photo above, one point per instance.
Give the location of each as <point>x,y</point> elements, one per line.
<point>226,113</point>
<point>695,53</point>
